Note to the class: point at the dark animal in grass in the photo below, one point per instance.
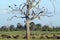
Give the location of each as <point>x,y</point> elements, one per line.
<point>48,37</point>
<point>54,36</point>
<point>58,37</point>
<point>15,37</point>
<point>5,36</point>
<point>41,36</point>
<point>25,36</point>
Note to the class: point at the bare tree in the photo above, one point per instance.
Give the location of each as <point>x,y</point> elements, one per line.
<point>30,11</point>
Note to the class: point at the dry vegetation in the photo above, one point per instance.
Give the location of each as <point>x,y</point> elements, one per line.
<point>35,35</point>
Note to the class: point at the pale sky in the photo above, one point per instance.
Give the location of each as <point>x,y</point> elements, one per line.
<point>4,15</point>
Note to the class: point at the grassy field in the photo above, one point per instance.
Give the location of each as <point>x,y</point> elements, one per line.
<point>21,34</point>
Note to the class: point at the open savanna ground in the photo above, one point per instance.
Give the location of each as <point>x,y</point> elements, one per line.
<point>36,34</point>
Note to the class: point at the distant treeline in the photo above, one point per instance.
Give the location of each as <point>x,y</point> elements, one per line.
<point>33,27</point>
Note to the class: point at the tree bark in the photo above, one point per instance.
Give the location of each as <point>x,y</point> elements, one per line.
<point>27,29</point>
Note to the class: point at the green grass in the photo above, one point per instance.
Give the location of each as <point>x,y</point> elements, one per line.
<point>21,33</point>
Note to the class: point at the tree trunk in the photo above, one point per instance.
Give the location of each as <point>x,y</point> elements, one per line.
<point>27,29</point>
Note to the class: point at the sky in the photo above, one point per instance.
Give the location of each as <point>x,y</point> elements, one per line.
<point>5,14</point>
